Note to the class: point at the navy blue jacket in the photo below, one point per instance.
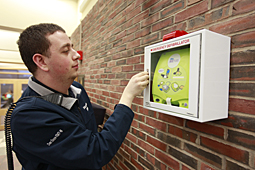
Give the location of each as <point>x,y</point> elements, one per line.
<point>51,137</point>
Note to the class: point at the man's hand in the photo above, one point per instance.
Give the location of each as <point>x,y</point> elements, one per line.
<point>134,87</point>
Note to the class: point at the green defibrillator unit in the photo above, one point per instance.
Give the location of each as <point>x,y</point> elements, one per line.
<point>171,78</point>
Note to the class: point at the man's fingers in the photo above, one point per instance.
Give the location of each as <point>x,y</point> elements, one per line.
<point>142,76</point>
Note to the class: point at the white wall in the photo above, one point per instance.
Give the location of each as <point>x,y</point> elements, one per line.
<point>84,7</point>
<point>16,15</point>
<point>22,13</point>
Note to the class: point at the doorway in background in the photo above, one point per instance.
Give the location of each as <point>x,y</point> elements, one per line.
<point>11,90</point>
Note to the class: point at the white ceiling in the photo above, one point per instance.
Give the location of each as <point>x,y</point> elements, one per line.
<point>16,15</point>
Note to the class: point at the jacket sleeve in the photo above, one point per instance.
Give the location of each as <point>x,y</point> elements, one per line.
<point>45,135</point>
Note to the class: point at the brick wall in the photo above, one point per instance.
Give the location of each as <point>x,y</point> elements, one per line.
<point>114,35</point>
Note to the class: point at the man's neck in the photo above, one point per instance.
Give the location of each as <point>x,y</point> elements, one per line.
<point>55,84</point>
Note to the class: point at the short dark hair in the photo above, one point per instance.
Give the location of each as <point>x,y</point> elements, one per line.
<point>33,40</point>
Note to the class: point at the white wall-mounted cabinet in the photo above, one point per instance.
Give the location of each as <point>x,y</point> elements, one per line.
<point>189,76</point>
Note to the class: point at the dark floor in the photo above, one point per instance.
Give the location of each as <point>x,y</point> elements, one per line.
<point>3,159</point>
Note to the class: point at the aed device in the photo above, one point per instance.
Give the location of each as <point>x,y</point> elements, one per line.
<point>171,78</point>
<point>189,75</point>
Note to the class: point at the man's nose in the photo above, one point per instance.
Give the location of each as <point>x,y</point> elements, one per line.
<point>76,55</point>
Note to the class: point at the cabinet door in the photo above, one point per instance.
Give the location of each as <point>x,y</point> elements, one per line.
<point>174,76</point>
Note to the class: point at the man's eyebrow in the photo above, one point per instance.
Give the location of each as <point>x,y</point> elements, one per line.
<point>66,45</point>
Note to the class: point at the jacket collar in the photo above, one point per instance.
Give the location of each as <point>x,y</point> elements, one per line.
<point>67,102</point>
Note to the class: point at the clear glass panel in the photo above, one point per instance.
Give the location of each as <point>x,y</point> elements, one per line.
<point>6,95</point>
<point>14,71</point>
<point>14,76</point>
<point>21,74</point>
<point>170,76</point>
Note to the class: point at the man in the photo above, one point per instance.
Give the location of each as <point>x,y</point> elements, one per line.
<point>61,133</point>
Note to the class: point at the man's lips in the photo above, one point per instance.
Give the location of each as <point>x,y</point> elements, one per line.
<point>76,66</point>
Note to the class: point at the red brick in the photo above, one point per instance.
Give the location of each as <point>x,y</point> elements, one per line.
<point>243,6</point>
<point>244,39</point>
<point>116,69</point>
<point>120,89</point>
<point>158,144</point>
<point>124,82</point>
<point>146,146</point>
<point>171,119</point>
<point>242,105</point>
<point>139,67</point>
<point>133,29</point>
<point>131,137</point>
<point>129,8</point>
<point>141,16</point>
<point>111,76</point>
<point>115,82</point>
<point>133,13</point>
<point>145,163</point>
<point>243,57</point>
<point>138,101</point>
<point>119,22</point>
<point>242,139</point>
<point>197,9</point>
<point>123,153</point>
<point>152,38</point>
<point>167,160</point>
<point>217,3</point>
<point>126,54</point>
<point>133,44</point>
<point>121,35</point>
<point>127,68</point>
<point>115,95</point>
<point>158,125</point>
<point>150,20</point>
<point>148,112</point>
<point>142,32</point>
<point>133,60</point>
<point>139,50</point>
<point>118,8</point>
<point>206,167</point>
<point>227,150</point>
<point>116,56</point>
<point>149,4</point>
<point>206,128</point>
<point>175,131</point>
<point>151,159</point>
<point>138,133</point>
<point>171,9</point>
<point>131,152</point>
<point>162,24</point>
<point>117,31</point>
<point>244,73</point>
<point>123,166</point>
<point>121,48</point>
<point>111,63</point>
<point>138,149</point>
<point>234,25</point>
<point>147,128</point>
<point>202,154</point>
<point>136,164</point>
<point>160,5</point>
<point>186,168</point>
<point>208,18</point>
<point>128,38</point>
<point>242,89</point>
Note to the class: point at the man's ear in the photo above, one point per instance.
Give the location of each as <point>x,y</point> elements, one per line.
<point>39,60</point>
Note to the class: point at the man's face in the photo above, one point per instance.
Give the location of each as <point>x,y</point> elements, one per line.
<point>63,60</point>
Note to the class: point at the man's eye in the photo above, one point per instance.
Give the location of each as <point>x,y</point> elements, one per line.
<point>66,51</point>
